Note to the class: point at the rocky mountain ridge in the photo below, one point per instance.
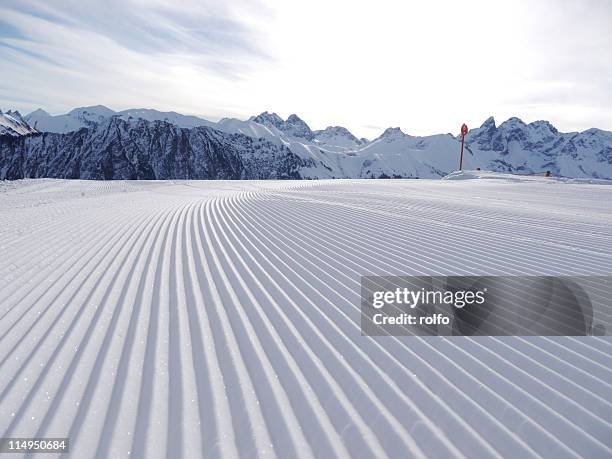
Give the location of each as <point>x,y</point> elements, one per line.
<point>145,150</point>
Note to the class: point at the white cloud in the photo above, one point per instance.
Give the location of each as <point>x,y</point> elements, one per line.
<point>424,66</point>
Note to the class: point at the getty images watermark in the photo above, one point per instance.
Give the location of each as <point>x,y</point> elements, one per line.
<point>486,305</point>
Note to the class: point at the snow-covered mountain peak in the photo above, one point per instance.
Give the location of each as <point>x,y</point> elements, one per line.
<point>392,133</point>
<point>514,129</point>
<point>38,112</point>
<point>95,110</point>
<point>268,119</point>
<point>490,137</point>
<point>294,119</point>
<point>85,116</point>
<point>95,114</point>
<point>337,130</point>
<point>15,115</point>
<point>149,114</point>
<point>296,127</point>
<point>338,136</point>
<point>544,126</point>
<point>489,123</point>
<point>13,124</point>
<point>512,123</point>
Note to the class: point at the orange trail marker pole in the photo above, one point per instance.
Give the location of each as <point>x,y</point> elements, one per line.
<point>464,131</point>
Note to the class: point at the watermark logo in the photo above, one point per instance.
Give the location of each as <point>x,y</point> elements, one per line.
<point>486,305</point>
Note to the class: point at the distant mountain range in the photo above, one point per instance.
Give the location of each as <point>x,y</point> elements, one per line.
<point>99,143</point>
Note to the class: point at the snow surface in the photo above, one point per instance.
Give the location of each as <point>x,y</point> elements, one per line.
<point>205,319</point>
<point>541,178</point>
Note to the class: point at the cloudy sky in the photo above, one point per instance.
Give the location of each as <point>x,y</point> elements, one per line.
<point>426,66</point>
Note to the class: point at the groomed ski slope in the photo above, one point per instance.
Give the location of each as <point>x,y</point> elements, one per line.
<point>221,319</point>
